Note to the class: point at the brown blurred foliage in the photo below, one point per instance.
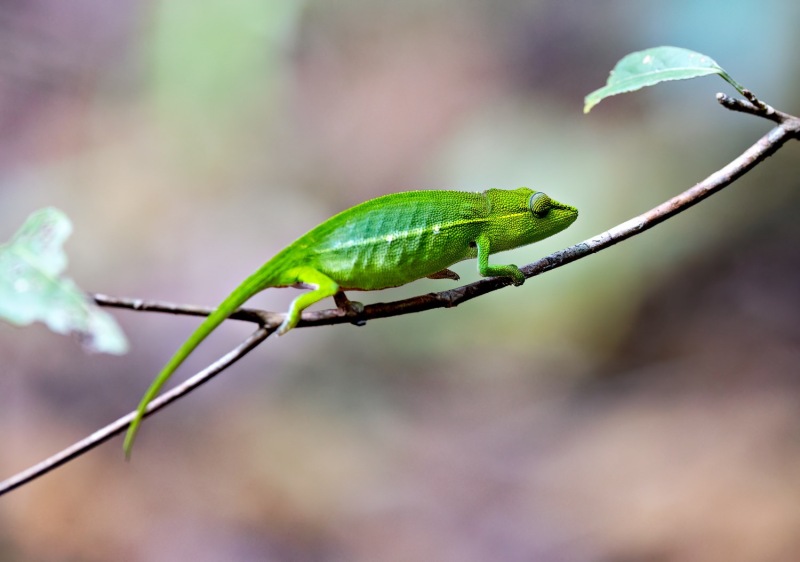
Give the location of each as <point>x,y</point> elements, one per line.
<point>640,405</point>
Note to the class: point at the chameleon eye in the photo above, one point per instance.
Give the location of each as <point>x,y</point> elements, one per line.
<point>539,204</point>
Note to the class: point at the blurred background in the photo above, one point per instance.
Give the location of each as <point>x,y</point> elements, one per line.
<point>638,405</point>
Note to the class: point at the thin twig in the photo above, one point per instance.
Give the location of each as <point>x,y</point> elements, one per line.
<point>757,108</point>
<point>261,317</point>
<point>751,97</point>
<point>789,128</point>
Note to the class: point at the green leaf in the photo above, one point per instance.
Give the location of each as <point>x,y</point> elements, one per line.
<point>651,66</point>
<point>32,289</point>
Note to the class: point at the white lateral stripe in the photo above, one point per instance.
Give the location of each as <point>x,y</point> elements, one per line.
<point>393,236</point>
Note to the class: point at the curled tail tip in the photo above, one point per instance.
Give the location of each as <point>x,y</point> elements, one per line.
<point>130,436</point>
<point>283,328</point>
<point>127,446</point>
<point>290,321</point>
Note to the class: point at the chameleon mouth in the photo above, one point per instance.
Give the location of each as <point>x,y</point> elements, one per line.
<point>564,207</point>
<point>567,212</point>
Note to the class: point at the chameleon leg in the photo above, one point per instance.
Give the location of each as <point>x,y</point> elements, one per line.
<point>323,287</point>
<point>511,271</point>
<point>352,308</point>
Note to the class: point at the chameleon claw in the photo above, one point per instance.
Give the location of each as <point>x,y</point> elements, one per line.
<point>517,277</point>
<point>357,309</point>
<point>351,309</point>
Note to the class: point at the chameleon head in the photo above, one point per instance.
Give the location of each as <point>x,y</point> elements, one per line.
<point>550,215</point>
<point>523,216</point>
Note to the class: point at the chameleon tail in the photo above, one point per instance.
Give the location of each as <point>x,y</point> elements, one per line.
<point>252,285</point>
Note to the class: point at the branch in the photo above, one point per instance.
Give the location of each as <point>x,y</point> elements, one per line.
<point>788,128</point>
<point>754,106</point>
<point>260,317</point>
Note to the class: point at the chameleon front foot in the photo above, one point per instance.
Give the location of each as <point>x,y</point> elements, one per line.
<point>353,309</point>
<point>516,275</point>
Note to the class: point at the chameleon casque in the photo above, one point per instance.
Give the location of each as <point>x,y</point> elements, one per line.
<point>386,242</point>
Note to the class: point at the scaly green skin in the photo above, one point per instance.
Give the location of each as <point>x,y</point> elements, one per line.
<point>387,242</point>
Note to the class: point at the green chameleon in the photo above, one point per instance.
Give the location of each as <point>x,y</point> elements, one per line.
<point>387,242</point>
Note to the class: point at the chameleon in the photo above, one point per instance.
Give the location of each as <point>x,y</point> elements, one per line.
<point>386,242</point>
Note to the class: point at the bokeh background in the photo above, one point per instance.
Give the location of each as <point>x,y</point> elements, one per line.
<point>639,405</point>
